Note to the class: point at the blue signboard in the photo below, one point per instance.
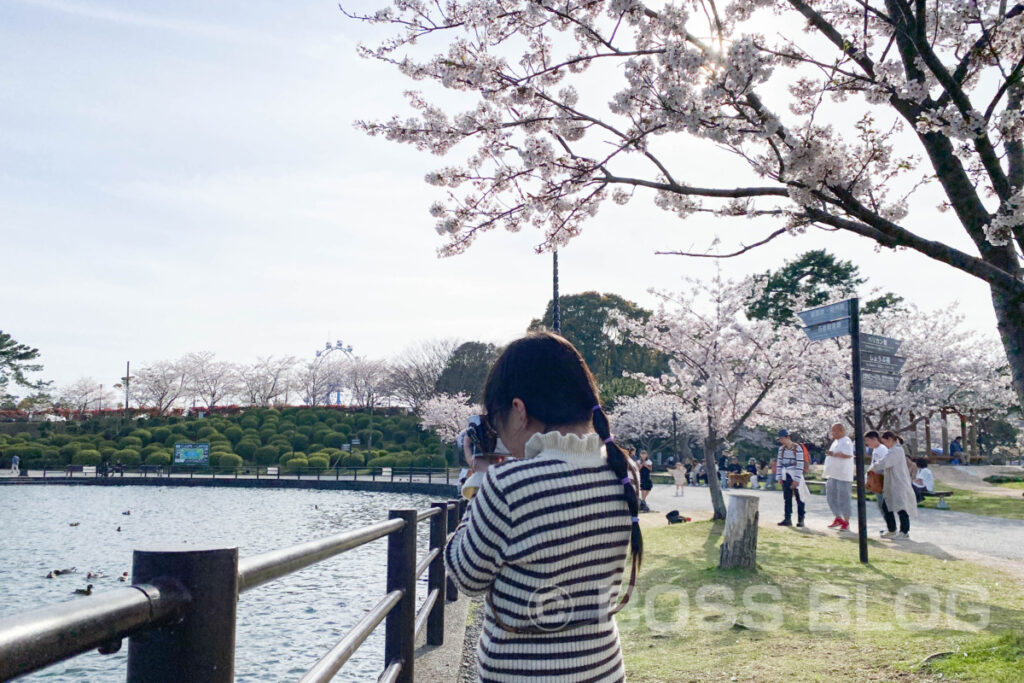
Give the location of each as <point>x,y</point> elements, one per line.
<point>828,330</point>
<point>824,314</point>
<point>197,454</point>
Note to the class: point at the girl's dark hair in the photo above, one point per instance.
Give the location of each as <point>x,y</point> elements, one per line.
<point>872,435</point>
<point>892,435</point>
<point>550,377</point>
<point>921,462</point>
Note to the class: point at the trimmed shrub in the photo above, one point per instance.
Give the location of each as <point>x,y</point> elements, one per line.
<point>362,421</point>
<point>364,436</point>
<point>283,460</point>
<point>249,421</point>
<point>386,461</point>
<point>267,434</point>
<point>129,457</point>
<point>161,433</point>
<point>246,449</point>
<point>352,460</point>
<point>307,418</point>
<point>229,460</point>
<point>206,431</point>
<point>152,448</point>
<point>266,455</point>
<point>132,442</point>
<point>159,458</point>
<point>86,457</point>
<point>233,434</point>
<point>295,464</point>
<point>68,452</point>
<point>320,434</point>
<point>57,440</point>
<point>317,463</point>
<point>143,435</point>
<point>299,442</point>
<point>173,439</point>
<point>335,440</point>
<point>107,453</point>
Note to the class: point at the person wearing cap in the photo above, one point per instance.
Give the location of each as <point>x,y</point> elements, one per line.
<point>790,466</point>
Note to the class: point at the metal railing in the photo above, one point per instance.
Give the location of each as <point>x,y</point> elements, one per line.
<point>179,614</point>
<point>431,474</point>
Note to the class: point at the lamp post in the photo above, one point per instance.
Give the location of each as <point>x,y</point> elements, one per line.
<point>675,444</point>
<point>556,318</point>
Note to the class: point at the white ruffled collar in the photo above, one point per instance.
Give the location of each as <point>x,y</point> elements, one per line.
<point>567,447</point>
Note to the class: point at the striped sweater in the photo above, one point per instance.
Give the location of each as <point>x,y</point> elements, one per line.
<point>548,537</point>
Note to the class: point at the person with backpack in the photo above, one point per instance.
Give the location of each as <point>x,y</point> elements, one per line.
<point>791,464</point>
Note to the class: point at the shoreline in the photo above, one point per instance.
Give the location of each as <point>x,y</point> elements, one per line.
<point>423,487</point>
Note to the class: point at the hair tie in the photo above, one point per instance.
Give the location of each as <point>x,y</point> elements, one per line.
<point>597,407</point>
<point>636,520</point>
<point>626,481</point>
<point>609,439</point>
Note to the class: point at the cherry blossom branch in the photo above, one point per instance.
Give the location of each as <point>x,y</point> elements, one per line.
<point>745,249</point>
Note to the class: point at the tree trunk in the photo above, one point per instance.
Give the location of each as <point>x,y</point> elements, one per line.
<point>714,483</point>
<point>1010,321</point>
<point>945,433</point>
<point>739,549</point>
<point>928,437</point>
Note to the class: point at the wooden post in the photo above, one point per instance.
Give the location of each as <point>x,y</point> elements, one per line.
<point>739,549</point>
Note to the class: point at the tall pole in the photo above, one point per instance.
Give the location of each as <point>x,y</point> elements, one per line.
<point>858,428</point>
<point>675,444</point>
<point>127,379</point>
<point>556,318</point>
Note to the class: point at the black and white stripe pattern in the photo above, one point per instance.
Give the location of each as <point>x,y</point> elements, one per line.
<point>548,536</point>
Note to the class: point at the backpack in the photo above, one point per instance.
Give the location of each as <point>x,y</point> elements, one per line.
<point>807,457</point>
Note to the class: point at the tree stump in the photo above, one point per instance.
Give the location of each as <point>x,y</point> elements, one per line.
<point>739,549</point>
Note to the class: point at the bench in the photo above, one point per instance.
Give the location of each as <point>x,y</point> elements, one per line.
<point>942,496</point>
<point>272,471</point>
<point>147,469</point>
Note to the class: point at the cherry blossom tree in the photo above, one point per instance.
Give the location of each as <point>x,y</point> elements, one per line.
<point>447,414</point>
<point>722,364</point>
<point>851,115</point>
<point>210,379</point>
<point>160,384</point>
<point>414,373</point>
<point>266,379</point>
<point>647,419</point>
<point>949,368</point>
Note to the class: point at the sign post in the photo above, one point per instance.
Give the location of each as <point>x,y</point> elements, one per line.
<point>838,320</point>
<point>858,429</point>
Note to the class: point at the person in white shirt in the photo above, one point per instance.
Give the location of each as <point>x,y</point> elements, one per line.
<point>839,467</point>
<point>925,481</point>
<point>878,452</point>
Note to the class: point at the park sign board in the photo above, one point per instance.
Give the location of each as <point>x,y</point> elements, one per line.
<point>881,364</point>
<point>824,314</point>
<point>195,454</point>
<point>828,330</point>
<point>874,380</point>
<point>877,344</point>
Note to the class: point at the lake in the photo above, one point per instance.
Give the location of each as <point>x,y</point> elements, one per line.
<point>284,627</point>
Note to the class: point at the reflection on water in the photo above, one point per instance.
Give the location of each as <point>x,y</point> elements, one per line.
<point>283,626</point>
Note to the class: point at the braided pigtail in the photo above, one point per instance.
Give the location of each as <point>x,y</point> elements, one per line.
<point>623,467</point>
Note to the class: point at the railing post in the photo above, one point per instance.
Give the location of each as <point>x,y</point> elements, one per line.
<point>453,521</point>
<point>400,627</point>
<point>201,647</point>
<point>436,574</point>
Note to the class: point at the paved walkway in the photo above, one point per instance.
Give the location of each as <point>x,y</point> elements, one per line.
<point>946,534</point>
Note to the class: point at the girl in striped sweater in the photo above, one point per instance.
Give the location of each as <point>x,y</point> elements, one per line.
<point>547,535</point>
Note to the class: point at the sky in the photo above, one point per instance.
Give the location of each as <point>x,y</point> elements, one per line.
<point>179,177</point>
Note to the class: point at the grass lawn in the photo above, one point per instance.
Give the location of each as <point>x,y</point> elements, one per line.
<point>980,503</point>
<point>1019,485</point>
<point>812,612</point>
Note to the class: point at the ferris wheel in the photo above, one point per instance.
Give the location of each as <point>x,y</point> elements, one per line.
<point>334,386</point>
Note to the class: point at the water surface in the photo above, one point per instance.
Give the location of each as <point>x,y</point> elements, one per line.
<point>283,627</point>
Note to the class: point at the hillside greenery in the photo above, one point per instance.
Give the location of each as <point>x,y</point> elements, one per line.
<point>293,438</point>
